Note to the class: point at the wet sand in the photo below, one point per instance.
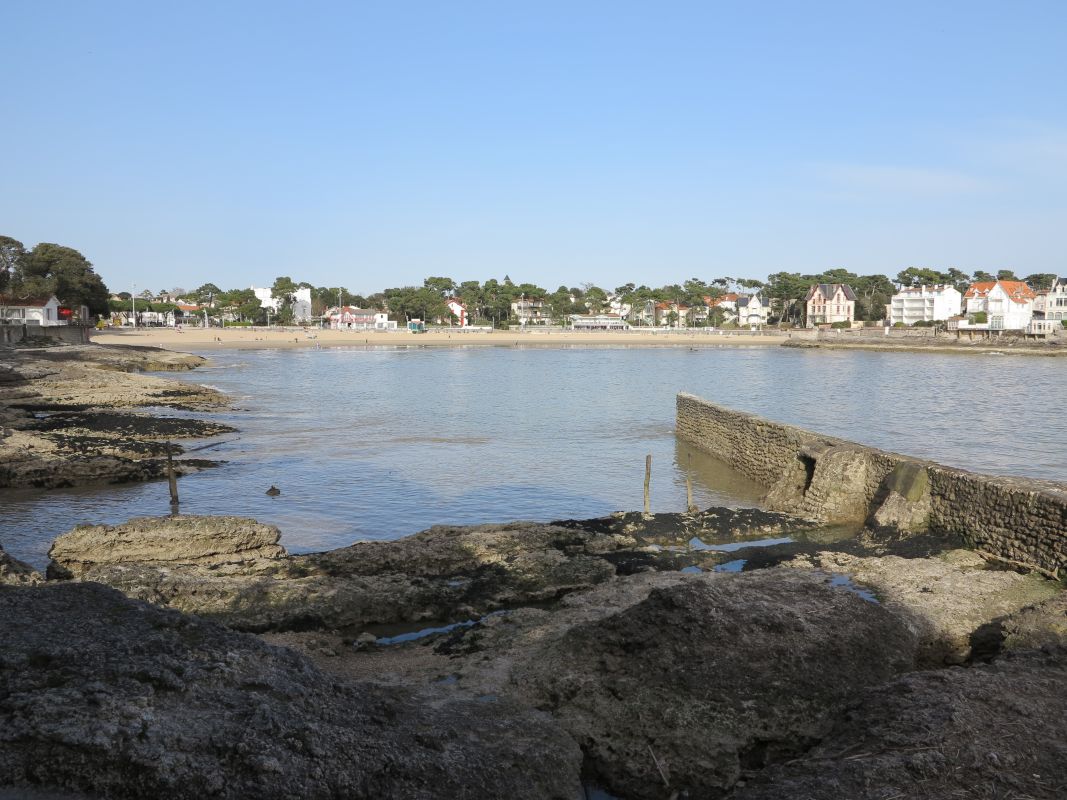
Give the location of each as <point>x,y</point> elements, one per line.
<point>261,338</point>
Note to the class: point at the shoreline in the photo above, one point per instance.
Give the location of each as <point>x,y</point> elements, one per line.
<point>201,339</point>
<point>248,339</point>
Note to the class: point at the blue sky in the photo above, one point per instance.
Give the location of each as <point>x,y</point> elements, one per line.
<point>373,144</point>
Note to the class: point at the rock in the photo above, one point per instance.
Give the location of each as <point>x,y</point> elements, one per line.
<point>715,674</point>
<point>274,491</point>
<point>106,697</point>
<point>16,573</point>
<point>990,731</point>
<point>215,541</point>
<point>908,503</point>
<point>437,574</point>
<point>953,602</point>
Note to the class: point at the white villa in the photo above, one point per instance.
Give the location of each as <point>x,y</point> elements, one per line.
<point>924,304</point>
<point>598,322</point>
<point>458,309</point>
<point>828,303</point>
<point>1008,305</point>
<point>32,310</point>
<point>752,312</point>
<point>301,302</point>
<point>1052,304</point>
<point>727,302</point>
<point>360,319</point>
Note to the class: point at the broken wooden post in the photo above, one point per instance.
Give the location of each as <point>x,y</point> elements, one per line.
<point>172,480</point>
<point>648,479</point>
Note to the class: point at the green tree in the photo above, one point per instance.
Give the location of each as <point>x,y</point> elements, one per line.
<point>981,276</point>
<point>12,252</point>
<point>1041,281</point>
<point>62,271</point>
<point>445,287</point>
<point>208,293</point>
<point>1006,275</point>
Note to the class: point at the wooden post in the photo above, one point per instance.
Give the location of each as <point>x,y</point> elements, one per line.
<point>689,507</point>
<point>172,480</point>
<point>648,479</point>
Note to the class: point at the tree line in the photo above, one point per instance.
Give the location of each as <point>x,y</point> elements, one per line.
<point>50,269</point>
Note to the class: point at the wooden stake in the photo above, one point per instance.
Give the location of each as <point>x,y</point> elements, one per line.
<point>172,480</point>
<point>648,479</point>
<point>689,485</point>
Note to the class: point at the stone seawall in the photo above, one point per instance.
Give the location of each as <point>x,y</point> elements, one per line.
<point>830,479</point>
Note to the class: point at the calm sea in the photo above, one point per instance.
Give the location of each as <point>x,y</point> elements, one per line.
<point>379,443</point>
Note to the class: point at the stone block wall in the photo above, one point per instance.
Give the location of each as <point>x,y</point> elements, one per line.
<point>831,479</point>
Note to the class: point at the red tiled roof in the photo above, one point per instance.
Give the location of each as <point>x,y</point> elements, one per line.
<point>1017,291</point>
<point>25,302</point>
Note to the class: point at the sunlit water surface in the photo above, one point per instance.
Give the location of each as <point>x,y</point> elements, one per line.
<point>379,443</point>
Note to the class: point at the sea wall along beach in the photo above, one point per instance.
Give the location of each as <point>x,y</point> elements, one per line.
<point>828,478</point>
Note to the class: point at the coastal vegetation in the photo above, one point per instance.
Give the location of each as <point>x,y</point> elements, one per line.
<point>49,269</point>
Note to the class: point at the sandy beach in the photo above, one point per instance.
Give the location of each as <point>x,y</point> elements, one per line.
<point>262,338</point>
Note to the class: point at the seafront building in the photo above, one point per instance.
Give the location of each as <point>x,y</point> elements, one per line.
<point>598,322</point>
<point>361,319</point>
<point>924,304</point>
<point>752,311</point>
<point>1006,305</point>
<point>827,303</point>
<point>458,309</point>
<point>33,310</point>
<point>1051,304</point>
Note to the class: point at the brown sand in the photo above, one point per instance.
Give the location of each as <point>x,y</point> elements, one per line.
<point>261,338</point>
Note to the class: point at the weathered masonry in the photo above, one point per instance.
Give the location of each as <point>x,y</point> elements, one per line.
<point>1019,520</point>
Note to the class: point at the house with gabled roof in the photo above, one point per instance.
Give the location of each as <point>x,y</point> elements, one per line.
<point>752,311</point>
<point>827,303</point>
<point>1051,304</point>
<point>1007,305</point>
<point>458,309</point>
<point>44,310</point>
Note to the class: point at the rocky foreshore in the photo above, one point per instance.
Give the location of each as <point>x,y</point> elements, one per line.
<point>728,653</point>
<point>69,414</point>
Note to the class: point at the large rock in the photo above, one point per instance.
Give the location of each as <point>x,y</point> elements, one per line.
<point>990,731</point>
<point>953,602</point>
<point>108,697</point>
<point>215,541</point>
<point>708,676</point>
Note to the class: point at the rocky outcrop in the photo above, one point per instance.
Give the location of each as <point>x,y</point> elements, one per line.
<point>15,573</point>
<point>107,697</point>
<point>64,419</point>
<point>437,574</point>
<point>989,731</point>
<point>218,542</point>
<point>682,691</point>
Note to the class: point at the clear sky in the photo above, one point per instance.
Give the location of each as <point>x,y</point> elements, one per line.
<point>373,144</point>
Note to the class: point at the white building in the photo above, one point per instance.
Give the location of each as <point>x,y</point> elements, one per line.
<point>1008,305</point>
<point>727,303</point>
<point>752,311</point>
<point>924,304</point>
<point>458,309</point>
<point>348,318</point>
<point>301,302</point>
<point>598,322</point>
<point>531,311</point>
<point>1052,304</point>
<point>32,310</point>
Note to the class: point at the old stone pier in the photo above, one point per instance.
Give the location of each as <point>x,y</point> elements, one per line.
<point>1018,520</point>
